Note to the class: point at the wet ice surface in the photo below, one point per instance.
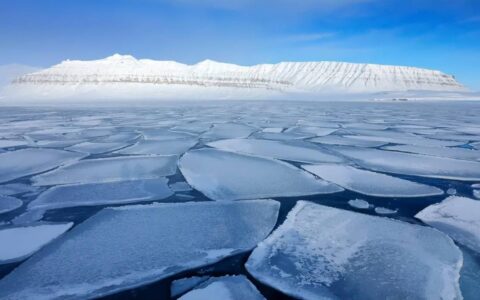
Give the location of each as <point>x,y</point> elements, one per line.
<point>224,288</point>
<point>321,251</point>
<point>459,217</point>
<point>223,175</point>
<point>129,246</point>
<point>85,159</point>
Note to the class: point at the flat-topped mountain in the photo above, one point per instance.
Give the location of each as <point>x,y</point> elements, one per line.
<point>126,76</point>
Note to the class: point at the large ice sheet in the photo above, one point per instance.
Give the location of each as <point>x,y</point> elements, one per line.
<point>12,143</point>
<point>91,194</point>
<point>459,217</point>
<point>110,169</point>
<point>458,153</point>
<point>21,242</point>
<point>96,148</point>
<point>8,203</point>
<point>224,175</point>
<point>168,147</point>
<point>16,164</point>
<point>371,183</point>
<point>124,247</point>
<point>224,288</point>
<point>414,164</point>
<point>321,252</point>
<point>286,150</point>
<point>16,188</point>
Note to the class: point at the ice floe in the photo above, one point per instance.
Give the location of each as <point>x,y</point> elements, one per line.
<point>458,153</point>
<point>9,203</point>
<point>168,147</point>
<point>110,169</point>
<point>162,134</point>
<point>16,188</point>
<point>359,203</point>
<point>12,143</point>
<point>371,183</point>
<point>125,247</point>
<point>120,192</point>
<point>385,211</point>
<point>413,164</point>
<point>96,148</point>
<point>224,288</point>
<point>21,242</point>
<point>476,194</point>
<point>286,150</point>
<point>321,252</point>
<point>180,186</point>
<point>228,130</point>
<point>222,175</point>
<point>16,164</point>
<point>458,217</point>
<point>340,140</point>
<point>181,286</point>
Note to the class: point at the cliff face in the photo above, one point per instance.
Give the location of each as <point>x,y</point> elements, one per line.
<point>125,72</point>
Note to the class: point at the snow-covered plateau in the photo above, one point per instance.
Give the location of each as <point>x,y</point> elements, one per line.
<point>125,77</point>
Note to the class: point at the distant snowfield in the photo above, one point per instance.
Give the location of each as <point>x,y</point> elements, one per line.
<point>123,77</point>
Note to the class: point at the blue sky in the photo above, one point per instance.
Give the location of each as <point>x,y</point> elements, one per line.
<point>440,34</point>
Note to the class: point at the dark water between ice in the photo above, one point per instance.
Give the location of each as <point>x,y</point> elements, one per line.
<point>452,120</point>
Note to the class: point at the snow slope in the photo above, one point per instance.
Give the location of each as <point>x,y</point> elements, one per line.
<point>125,76</point>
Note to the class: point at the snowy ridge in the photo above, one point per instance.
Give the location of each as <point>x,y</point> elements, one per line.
<point>162,78</point>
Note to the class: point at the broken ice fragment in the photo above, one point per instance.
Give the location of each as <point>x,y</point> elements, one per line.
<point>110,169</point>
<point>25,162</point>
<point>222,175</point>
<point>8,203</point>
<point>359,203</point>
<point>371,183</point>
<point>121,192</point>
<point>458,217</point>
<point>125,247</point>
<point>224,288</point>
<point>21,242</point>
<point>321,252</point>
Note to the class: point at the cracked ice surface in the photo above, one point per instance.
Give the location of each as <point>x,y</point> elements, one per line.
<point>110,169</point>
<point>224,175</point>
<point>458,217</point>
<point>121,248</point>
<point>323,252</point>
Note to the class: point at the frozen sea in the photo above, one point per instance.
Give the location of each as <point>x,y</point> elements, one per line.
<point>194,187</point>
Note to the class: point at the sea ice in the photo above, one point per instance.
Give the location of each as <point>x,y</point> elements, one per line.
<point>476,194</point>
<point>110,169</point>
<point>228,130</point>
<point>224,288</point>
<point>321,252</point>
<point>413,164</point>
<point>340,140</point>
<point>287,150</point>
<point>124,247</point>
<point>224,175</point>
<point>168,147</point>
<point>92,194</point>
<point>370,183</point>
<point>180,186</point>
<point>162,134</point>
<point>20,242</point>
<point>12,143</point>
<point>181,286</point>
<point>8,203</point>
<point>16,164</point>
<point>385,211</point>
<point>458,153</point>
<point>96,148</point>
<point>359,203</point>
<point>458,217</point>
<point>16,188</point>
